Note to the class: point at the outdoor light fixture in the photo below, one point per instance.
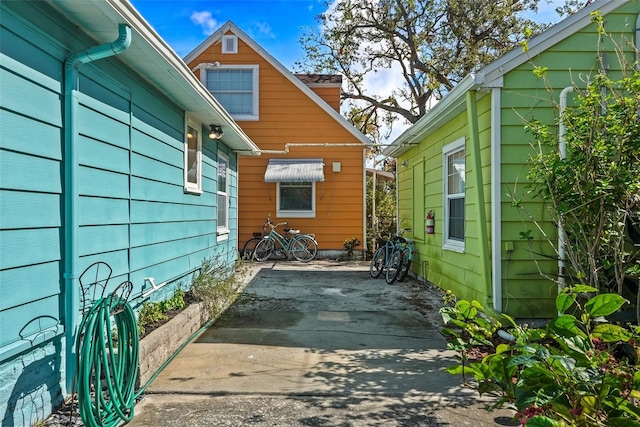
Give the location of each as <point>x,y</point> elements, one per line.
<point>216,132</point>
<point>405,163</point>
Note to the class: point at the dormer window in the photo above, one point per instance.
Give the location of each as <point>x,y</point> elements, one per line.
<point>229,44</point>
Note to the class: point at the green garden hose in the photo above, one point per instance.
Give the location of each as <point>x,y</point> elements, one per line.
<point>107,372</point>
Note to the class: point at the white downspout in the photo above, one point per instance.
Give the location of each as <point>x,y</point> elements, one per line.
<point>496,199</point>
<point>562,148</point>
<point>638,42</point>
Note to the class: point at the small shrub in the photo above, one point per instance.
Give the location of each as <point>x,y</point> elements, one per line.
<point>217,284</point>
<point>350,244</point>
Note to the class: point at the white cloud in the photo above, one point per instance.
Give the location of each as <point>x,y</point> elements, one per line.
<point>264,30</point>
<point>205,20</point>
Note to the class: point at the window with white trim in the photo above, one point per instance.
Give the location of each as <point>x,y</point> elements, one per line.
<point>192,158</point>
<point>223,194</point>
<point>296,199</point>
<point>454,195</point>
<point>236,88</point>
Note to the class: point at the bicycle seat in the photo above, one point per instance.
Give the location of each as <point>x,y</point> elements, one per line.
<point>290,231</point>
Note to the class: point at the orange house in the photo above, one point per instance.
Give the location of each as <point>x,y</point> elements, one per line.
<point>311,171</point>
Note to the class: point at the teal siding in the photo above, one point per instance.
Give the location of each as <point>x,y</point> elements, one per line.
<point>133,212</point>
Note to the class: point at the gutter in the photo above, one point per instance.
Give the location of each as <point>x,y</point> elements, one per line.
<point>71,242</point>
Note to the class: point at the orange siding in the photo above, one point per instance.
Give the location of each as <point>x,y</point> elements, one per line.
<point>287,115</point>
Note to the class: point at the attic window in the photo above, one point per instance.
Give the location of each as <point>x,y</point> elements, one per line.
<point>230,44</point>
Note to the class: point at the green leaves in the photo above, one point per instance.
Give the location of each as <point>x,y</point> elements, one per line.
<point>578,371</point>
<point>604,305</point>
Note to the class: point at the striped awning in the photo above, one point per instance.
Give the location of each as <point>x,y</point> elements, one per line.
<point>294,170</point>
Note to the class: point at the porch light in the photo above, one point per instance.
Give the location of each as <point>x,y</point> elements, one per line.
<point>215,132</point>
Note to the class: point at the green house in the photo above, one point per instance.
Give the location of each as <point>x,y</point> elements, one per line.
<point>467,159</point>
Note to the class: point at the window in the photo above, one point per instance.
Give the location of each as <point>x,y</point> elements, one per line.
<point>223,194</point>
<point>229,44</point>
<point>454,195</point>
<point>236,88</point>
<point>192,159</point>
<point>296,199</point>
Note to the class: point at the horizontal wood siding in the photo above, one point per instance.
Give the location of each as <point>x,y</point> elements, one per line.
<point>525,97</point>
<point>133,212</point>
<point>287,115</point>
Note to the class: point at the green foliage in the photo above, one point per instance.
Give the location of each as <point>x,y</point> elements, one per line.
<point>382,221</point>
<point>350,244</point>
<point>431,45</point>
<point>580,370</point>
<point>149,313</point>
<point>593,191</point>
<point>470,326</point>
<point>217,284</point>
<point>174,303</point>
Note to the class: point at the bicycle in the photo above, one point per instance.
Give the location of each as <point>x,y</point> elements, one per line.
<point>402,257</point>
<point>250,245</point>
<point>302,247</point>
<point>383,259</point>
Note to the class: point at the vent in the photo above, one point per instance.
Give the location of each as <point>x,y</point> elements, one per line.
<point>229,44</point>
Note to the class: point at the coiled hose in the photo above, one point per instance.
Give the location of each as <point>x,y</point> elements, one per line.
<point>107,372</point>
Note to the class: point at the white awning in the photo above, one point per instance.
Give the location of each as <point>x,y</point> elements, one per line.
<point>294,170</point>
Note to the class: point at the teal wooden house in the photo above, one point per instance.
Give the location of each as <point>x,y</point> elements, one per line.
<point>464,158</point>
<point>106,154</point>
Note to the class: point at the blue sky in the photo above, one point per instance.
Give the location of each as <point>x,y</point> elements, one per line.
<point>276,25</point>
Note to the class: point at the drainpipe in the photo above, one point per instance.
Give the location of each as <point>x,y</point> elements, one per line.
<point>638,42</point>
<point>483,238</point>
<point>496,200</point>
<point>562,148</point>
<point>288,146</point>
<point>71,261</point>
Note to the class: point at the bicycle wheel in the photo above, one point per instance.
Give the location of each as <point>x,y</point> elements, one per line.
<point>263,250</point>
<point>304,248</point>
<point>249,247</point>
<point>406,264</point>
<point>393,268</point>
<point>377,263</point>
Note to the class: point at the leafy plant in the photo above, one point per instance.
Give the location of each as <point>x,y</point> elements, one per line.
<point>592,189</point>
<point>350,244</point>
<point>580,370</point>
<point>470,328</point>
<point>217,284</point>
<point>149,313</point>
<point>176,302</point>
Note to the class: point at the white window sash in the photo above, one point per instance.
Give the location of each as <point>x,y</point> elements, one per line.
<point>189,185</point>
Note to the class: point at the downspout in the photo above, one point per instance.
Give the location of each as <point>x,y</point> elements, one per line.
<point>71,262</point>
<point>364,203</point>
<point>638,42</point>
<point>496,199</point>
<point>562,148</point>
<point>472,118</point>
